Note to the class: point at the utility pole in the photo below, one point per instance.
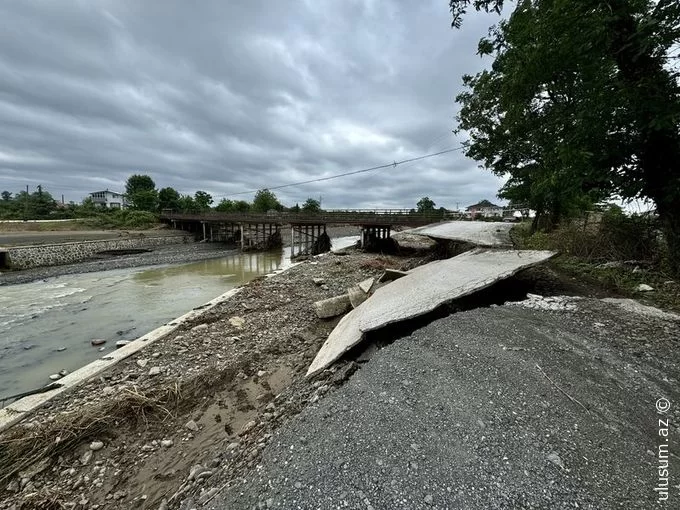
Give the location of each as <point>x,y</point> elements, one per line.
<point>26,205</point>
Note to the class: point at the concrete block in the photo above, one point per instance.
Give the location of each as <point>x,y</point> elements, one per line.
<point>356,295</point>
<point>332,307</point>
<point>366,285</point>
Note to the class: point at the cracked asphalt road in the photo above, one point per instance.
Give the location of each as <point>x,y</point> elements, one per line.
<point>501,407</point>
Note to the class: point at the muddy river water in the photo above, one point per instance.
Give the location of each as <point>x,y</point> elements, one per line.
<point>47,326</point>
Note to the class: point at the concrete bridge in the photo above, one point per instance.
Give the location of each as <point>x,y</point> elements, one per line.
<point>263,231</point>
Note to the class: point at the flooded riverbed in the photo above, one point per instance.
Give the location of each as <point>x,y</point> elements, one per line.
<point>47,326</point>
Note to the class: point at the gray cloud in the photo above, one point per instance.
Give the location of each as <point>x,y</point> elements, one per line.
<point>235,96</point>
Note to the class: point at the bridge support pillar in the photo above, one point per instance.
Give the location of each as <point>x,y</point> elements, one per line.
<point>308,239</point>
<point>377,238</point>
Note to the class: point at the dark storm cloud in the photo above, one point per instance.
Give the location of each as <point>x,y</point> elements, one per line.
<point>236,96</point>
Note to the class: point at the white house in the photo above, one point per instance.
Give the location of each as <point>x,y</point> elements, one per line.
<point>109,199</point>
<point>485,209</point>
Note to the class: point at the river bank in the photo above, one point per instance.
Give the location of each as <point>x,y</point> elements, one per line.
<point>161,255</point>
<point>198,404</point>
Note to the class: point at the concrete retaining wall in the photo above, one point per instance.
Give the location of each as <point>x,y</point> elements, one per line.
<point>25,257</point>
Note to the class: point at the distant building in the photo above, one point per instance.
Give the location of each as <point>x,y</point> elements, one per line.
<point>485,209</point>
<point>109,199</point>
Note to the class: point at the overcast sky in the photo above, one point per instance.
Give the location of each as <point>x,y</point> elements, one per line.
<point>232,96</point>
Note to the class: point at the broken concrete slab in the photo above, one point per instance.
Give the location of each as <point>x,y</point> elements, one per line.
<point>421,291</point>
<point>356,295</point>
<point>480,233</point>
<point>332,307</point>
<point>366,285</point>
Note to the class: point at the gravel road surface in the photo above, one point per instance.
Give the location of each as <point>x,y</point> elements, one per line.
<point>546,405</point>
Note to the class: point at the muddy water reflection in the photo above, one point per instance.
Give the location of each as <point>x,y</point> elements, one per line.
<point>47,326</point>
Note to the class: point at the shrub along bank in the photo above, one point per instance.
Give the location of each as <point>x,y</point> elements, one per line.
<point>618,252</point>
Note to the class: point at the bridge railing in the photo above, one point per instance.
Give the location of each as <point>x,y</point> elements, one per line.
<point>387,216</point>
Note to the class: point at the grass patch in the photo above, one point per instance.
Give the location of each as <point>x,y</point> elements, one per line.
<point>51,226</point>
<point>114,220</point>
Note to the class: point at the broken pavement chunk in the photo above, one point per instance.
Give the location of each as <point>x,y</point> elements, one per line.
<point>366,285</point>
<point>481,233</point>
<point>421,291</point>
<point>391,274</point>
<point>332,307</point>
<point>356,296</point>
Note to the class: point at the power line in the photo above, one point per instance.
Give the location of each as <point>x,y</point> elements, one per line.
<point>355,172</point>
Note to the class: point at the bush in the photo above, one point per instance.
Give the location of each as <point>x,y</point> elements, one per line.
<point>139,219</point>
<point>599,237</point>
<point>123,218</point>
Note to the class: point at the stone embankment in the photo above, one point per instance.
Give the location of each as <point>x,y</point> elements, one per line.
<point>26,257</point>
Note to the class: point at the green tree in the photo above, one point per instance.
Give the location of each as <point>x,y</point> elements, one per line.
<point>6,196</point>
<point>42,204</point>
<point>311,206</point>
<point>589,81</point>
<point>225,205</point>
<point>425,205</point>
<point>168,198</point>
<point>295,208</point>
<point>186,204</point>
<point>141,192</point>
<point>242,206</point>
<point>202,199</point>
<point>265,200</point>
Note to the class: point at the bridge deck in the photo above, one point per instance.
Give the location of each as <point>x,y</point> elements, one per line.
<point>325,218</point>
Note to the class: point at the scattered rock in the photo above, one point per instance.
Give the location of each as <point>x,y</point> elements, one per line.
<point>200,327</point>
<point>122,343</point>
<point>63,372</point>
<point>119,495</point>
<point>237,322</point>
<point>96,446</point>
<point>261,373</point>
<point>318,281</point>
<point>191,425</point>
<point>643,287</point>
<point>166,443</point>
<point>555,459</point>
<point>196,471</point>
<point>97,341</point>
<point>86,457</point>
<point>154,371</point>
<point>54,377</point>
<point>429,499</point>
<point>247,427</point>
<point>141,363</point>
<point>60,349</point>
<point>207,495</point>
